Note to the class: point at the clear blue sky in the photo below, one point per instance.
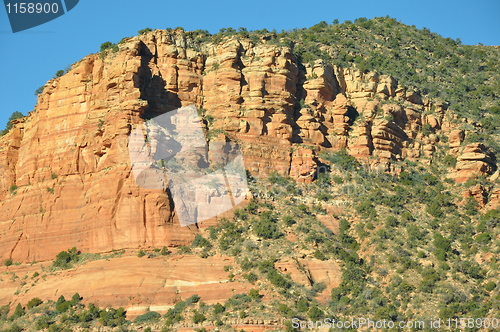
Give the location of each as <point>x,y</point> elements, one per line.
<point>30,58</point>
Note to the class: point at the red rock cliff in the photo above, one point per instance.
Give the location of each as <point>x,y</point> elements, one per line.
<point>66,170</point>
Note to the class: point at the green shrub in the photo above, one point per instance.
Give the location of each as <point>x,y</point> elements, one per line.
<point>288,220</point>
<point>144,31</point>
<point>59,73</point>
<point>141,253</point>
<point>237,300</point>
<point>75,299</point>
<point>266,230</point>
<point>8,262</point>
<point>315,313</point>
<point>13,189</point>
<point>342,160</point>
<point>391,221</point>
<point>39,90</point>
<point>106,46</point>
<point>319,255</point>
<point>14,116</point>
<point>34,302</point>
<point>43,322</point>
<point>147,317</point>
<point>192,299</point>
<point>251,277</point>
<point>112,317</point>
<point>4,311</point>
<point>123,40</point>
<point>14,328</point>
<point>199,318</point>
<point>66,259</point>
<point>489,286</point>
<point>254,294</point>
<point>218,309</point>
<point>19,312</point>
<point>184,249</point>
<point>277,279</point>
<point>200,241</point>
<point>483,238</point>
<point>427,129</point>
<point>302,305</point>
<point>164,251</point>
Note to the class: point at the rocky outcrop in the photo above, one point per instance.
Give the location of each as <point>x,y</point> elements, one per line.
<point>67,173</point>
<point>474,160</point>
<point>136,284</point>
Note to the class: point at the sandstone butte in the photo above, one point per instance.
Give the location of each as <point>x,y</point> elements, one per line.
<point>66,174</point>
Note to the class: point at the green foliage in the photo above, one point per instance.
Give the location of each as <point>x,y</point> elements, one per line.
<point>277,279</point>
<point>427,129</point>
<point>319,255</point>
<point>174,314</point>
<point>342,160</point>
<point>43,322</point>
<point>218,309</point>
<point>147,317</point>
<point>144,31</point>
<point>13,328</point>
<point>200,241</point>
<point>18,312</point>
<point>141,253</point>
<point>112,317</point>
<point>59,73</point>
<point>302,305</point>
<point>199,318</point>
<point>164,251</point>
<point>34,302</point>
<point>289,220</point>
<point>4,311</point>
<point>39,90</point>
<point>266,229</point>
<point>238,300</point>
<point>251,277</point>
<point>315,313</point>
<point>254,294</point>
<point>75,299</point>
<point>66,259</point>
<point>230,235</point>
<point>443,246</point>
<point>123,40</point>
<point>8,262</point>
<point>489,286</point>
<point>14,116</point>
<point>471,206</point>
<point>108,47</point>
<point>192,299</point>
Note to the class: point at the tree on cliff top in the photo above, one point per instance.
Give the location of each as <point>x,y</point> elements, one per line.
<point>14,116</point>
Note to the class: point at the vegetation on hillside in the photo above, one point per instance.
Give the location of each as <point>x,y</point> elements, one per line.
<point>409,248</point>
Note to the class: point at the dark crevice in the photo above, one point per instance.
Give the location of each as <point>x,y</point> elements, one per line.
<point>152,87</point>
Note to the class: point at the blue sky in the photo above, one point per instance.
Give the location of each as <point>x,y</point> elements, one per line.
<point>30,58</point>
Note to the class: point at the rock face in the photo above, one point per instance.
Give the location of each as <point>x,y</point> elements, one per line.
<point>66,170</point>
<point>474,160</point>
<point>133,284</point>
